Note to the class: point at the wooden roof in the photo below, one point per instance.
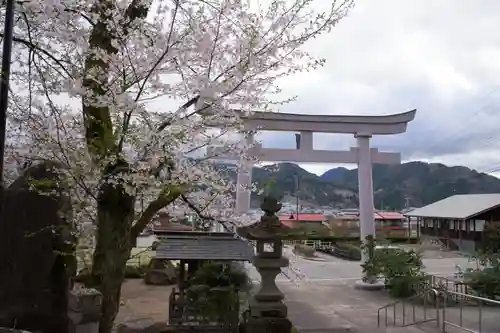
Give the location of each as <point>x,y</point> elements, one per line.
<point>194,245</point>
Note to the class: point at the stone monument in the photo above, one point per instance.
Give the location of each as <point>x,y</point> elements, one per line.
<point>267,313</point>
<point>37,260</point>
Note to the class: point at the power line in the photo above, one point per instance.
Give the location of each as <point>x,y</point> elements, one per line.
<point>469,123</point>
<point>432,131</point>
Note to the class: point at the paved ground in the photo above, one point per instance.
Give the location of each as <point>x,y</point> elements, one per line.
<point>322,297</point>
<point>336,305</point>
<point>321,294</point>
<point>335,269</point>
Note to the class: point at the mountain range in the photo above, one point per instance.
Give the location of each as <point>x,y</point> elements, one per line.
<point>413,184</point>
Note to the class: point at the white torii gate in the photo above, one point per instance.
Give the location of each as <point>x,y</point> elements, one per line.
<point>363,128</point>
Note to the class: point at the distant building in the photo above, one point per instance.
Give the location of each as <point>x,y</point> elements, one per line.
<point>349,212</point>
<point>164,223</point>
<point>293,221</point>
<point>382,218</point>
<point>459,221</point>
<point>390,223</point>
<point>311,223</point>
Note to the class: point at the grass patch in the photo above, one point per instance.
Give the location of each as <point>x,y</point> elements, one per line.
<point>139,257</point>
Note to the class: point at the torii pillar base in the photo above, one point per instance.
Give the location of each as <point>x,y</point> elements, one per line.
<point>370,286</point>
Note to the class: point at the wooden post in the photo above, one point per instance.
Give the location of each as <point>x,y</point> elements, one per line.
<point>182,275</point>
<point>418,228</point>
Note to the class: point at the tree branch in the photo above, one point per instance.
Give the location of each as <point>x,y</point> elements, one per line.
<point>186,105</point>
<point>34,47</point>
<point>128,115</point>
<point>162,201</point>
<point>206,217</point>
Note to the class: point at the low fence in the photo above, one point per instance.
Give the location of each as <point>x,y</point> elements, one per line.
<point>455,285</point>
<point>478,315</point>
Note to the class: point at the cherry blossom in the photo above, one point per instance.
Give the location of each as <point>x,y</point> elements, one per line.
<point>120,92</point>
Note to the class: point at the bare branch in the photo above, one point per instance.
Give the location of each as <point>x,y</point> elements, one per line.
<point>35,47</point>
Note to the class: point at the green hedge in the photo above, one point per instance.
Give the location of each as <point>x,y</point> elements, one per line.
<point>347,251</point>
<point>395,240</point>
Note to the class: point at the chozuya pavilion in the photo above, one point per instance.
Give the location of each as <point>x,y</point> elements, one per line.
<point>362,127</point>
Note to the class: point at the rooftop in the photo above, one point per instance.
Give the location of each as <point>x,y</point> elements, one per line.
<point>172,226</point>
<point>382,215</point>
<point>460,206</point>
<point>303,217</point>
<point>203,246</point>
<point>377,215</point>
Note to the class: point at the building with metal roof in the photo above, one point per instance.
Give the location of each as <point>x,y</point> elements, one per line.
<point>460,206</point>
<point>459,221</point>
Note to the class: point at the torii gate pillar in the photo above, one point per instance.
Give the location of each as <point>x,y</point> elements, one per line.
<point>244,181</point>
<point>365,186</point>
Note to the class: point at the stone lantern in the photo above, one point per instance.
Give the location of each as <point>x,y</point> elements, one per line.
<point>268,313</point>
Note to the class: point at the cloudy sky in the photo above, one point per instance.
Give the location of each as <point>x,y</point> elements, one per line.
<point>389,56</point>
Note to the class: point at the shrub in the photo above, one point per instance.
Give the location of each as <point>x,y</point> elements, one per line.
<point>484,282</point>
<point>349,251</point>
<point>131,272</point>
<point>401,270</point>
<point>214,291</point>
<point>135,272</point>
<point>304,250</point>
<point>215,275</point>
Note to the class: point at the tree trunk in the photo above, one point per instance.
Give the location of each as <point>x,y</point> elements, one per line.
<point>115,214</point>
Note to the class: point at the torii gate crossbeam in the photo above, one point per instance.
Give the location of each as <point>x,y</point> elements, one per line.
<point>362,127</point>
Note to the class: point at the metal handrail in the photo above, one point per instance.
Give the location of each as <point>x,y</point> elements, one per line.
<point>440,306</point>
<point>457,295</point>
<point>405,302</point>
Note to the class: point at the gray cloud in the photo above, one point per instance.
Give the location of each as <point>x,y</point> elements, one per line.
<point>389,56</point>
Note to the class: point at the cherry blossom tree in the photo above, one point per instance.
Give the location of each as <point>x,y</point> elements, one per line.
<point>120,93</point>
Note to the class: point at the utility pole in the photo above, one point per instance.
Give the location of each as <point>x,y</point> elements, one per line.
<point>407,204</point>
<point>297,195</point>
<point>5,74</point>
